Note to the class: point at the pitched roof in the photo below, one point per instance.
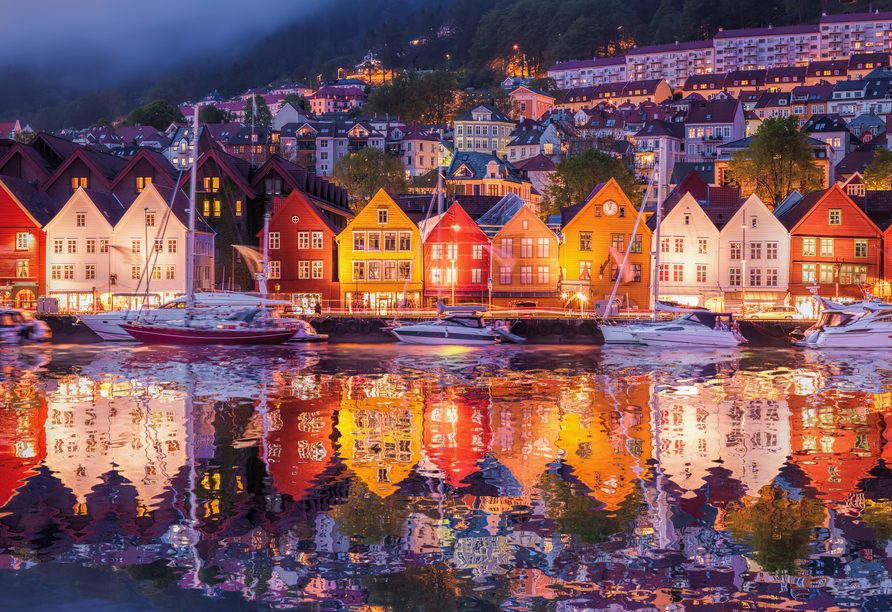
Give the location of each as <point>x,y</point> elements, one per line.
<point>161,163</point>
<point>681,170</point>
<point>658,127</point>
<point>593,63</point>
<point>324,193</point>
<point>712,111</point>
<point>850,17</point>
<point>237,169</point>
<point>108,205</point>
<point>495,114</point>
<point>826,123</point>
<point>855,161</point>
<point>540,163</point>
<point>181,207</point>
<point>750,32</point>
<point>39,205</point>
<point>791,216</point>
<point>525,139</point>
<point>500,213</point>
<point>694,184</point>
<point>670,48</point>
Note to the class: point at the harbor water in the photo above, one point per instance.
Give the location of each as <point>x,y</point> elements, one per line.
<point>390,477</point>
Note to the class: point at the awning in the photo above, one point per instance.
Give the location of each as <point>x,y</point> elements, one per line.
<point>757,296</point>
<point>526,294</point>
<point>664,290</point>
<point>458,293</point>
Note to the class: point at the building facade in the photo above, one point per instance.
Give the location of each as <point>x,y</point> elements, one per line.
<point>525,262</point>
<point>457,257</point>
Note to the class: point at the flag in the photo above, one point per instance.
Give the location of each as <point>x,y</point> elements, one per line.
<point>626,275</point>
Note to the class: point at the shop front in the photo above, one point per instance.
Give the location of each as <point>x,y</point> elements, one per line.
<point>746,303</point>
<point>305,303</point>
<point>381,302</point>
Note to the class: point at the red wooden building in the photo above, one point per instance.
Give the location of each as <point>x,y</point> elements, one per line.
<point>456,260</point>
<point>833,244</point>
<point>24,210</point>
<point>303,253</point>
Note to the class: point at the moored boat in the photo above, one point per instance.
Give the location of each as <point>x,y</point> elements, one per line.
<point>255,326</point>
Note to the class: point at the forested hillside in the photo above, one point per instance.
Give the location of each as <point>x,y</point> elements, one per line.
<point>479,39</point>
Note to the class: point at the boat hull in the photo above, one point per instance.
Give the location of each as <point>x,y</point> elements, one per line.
<point>699,339</point>
<point>853,340</point>
<point>435,337</point>
<point>189,336</point>
<point>619,334</point>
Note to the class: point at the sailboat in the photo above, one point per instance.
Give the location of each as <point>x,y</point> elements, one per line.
<point>696,328</point>
<point>255,325</point>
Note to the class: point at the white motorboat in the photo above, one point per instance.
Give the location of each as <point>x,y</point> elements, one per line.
<point>305,332</point>
<point>19,326</point>
<point>858,326</point>
<point>700,328</point>
<point>211,305</point>
<point>464,326</point>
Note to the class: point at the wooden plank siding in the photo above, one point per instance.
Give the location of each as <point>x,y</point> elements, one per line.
<point>580,254</point>
<point>523,270</point>
<point>472,257</point>
<point>13,221</point>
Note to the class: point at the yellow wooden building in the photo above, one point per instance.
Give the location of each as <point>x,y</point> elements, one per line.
<point>379,254</point>
<point>604,220</point>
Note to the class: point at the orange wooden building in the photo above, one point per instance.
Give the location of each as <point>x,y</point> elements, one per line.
<point>525,262</point>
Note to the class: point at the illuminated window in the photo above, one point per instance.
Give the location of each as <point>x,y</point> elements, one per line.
<point>826,247</point>
<point>156,272</point>
<point>275,269</point>
<point>809,246</point>
<point>135,272</point>
<point>216,208</point>
<point>21,241</point>
<point>585,241</point>
<point>835,216</point>
<point>238,208</point>
<point>734,277</point>
<point>808,273</point>
<point>172,245</point>
<point>135,246</point>
<point>171,273</point>
<point>317,269</point>
<point>207,208</point>
<point>678,273</point>
<point>142,182</point>
<point>72,247</point>
<point>81,220</point>
<point>303,269</point>
<point>701,246</point>
<point>274,240</point>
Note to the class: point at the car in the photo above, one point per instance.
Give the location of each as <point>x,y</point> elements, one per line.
<point>777,313</point>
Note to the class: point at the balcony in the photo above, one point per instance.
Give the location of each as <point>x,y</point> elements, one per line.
<point>713,138</point>
<point>306,146</point>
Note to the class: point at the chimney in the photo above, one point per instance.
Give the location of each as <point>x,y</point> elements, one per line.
<point>769,26</point>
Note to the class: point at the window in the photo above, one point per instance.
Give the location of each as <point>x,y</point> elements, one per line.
<point>755,250</point>
<point>771,277</point>
<point>507,247</point>
<point>701,274</point>
<point>526,247</point>
<point>736,250</point>
<point>664,245</point>
<point>56,272</point>
<point>238,208</point>
<point>755,277</point>
<point>543,275</point>
<point>450,275</point>
<point>103,245</point>
<point>135,272</point>
<point>91,245</point>
<point>359,270</point>
<point>156,272</point>
<point>81,220</point>
<point>754,221</point>
<point>72,246</point>
<point>405,241</point>
<point>21,241</point>
<point>808,246</point>
<point>679,245</point>
<point>597,211</point>
<point>207,208</point>
<point>505,276</point>
<point>687,219</point>
<point>358,242</point>
<point>477,252</point>
<point>770,250</point>
<point>78,181</point>
<point>382,216</point>
<point>404,270</point>
<point>373,270</point>
<point>436,252</point>
<point>585,241</point>
<point>635,247</point>
<point>216,208</point>
<point>543,247</point>
<point>143,181</point>
<point>303,240</point>
<point>678,273</point>
<point>303,269</point>
<point>618,242</point>
<point>212,183</point>
<point>860,248</point>
<point>825,274</point>
<point>159,245</point>
<point>477,276</point>
<point>389,270</point>
<point>526,275</point>
<point>135,246</point>
<point>826,247</point>
<point>636,273</point>
<point>389,241</point>
<point>57,246</point>
<point>171,245</point>
<point>150,219</point>
<point>664,273</point>
<point>585,270</point>
<point>701,246</point>
<point>734,277</point>
<point>622,211</point>
<point>171,273</point>
<point>275,269</point>
<point>374,242</point>
<point>835,216</point>
<point>90,272</point>
<point>808,273</point>
<point>21,268</point>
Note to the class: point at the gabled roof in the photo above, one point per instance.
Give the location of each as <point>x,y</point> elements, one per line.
<point>106,204</point>
<point>695,185</point>
<point>681,170</point>
<point>825,123</point>
<point>478,164</point>
<point>237,169</point>
<point>103,165</point>
<point>31,156</point>
<point>279,208</point>
<point>712,112</point>
<point>658,127</point>
<point>791,216</point>
<point>161,164</point>
<point>855,161</point>
<point>815,68</point>
<point>540,163</point>
<point>502,212</point>
<point>796,73</point>
<point>877,59</point>
<point>717,78</point>
<point>496,114</point>
<point>525,139</point>
<point>180,207</point>
<point>323,192</point>
<point>36,203</point>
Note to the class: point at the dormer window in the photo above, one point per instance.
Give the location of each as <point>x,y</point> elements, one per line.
<point>254,137</point>
<point>142,182</point>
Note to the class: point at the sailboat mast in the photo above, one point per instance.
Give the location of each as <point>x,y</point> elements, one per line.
<point>656,270</point>
<point>190,233</point>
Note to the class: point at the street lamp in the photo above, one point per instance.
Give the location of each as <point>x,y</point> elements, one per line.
<point>743,264</point>
<point>581,304</point>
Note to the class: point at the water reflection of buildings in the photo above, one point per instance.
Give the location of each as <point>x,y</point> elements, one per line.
<point>554,486</point>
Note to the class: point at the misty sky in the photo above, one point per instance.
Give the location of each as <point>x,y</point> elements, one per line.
<point>132,34</point>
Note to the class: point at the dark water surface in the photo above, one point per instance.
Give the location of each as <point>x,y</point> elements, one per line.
<point>383,478</point>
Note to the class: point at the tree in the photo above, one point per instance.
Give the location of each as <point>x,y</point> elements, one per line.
<point>264,116</point>
<point>25,137</point>
<point>778,160</point>
<point>297,100</point>
<point>212,114</point>
<point>576,176</point>
<point>878,175</point>
<point>364,172</point>
<point>159,114</point>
